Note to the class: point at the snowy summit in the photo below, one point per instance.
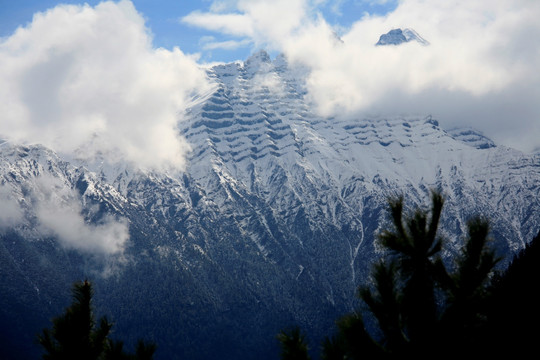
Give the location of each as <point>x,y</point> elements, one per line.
<point>399,36</point>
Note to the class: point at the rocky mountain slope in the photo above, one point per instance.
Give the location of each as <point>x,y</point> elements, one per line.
<point>273,223</point>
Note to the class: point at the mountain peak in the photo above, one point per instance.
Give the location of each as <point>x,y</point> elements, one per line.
<point>273,197</point>
<point>260,56</point>
<point>258,62</point>
<point>400,36</point>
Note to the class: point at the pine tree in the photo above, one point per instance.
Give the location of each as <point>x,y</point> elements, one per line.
<point>514,312</point>
<point>464,319</point>
<point>76,334</point>
<point>419,305</point>
<point>414,245</point>
<point>144,351</point>
<point>293,345</point>
<point>352,341</point>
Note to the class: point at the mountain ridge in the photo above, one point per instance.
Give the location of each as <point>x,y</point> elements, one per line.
<point>273,222</point>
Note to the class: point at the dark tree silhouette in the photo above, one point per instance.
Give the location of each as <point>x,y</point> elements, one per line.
<point>414,244</point>
<point>464,319</point>
<point>352,341</point>
<point>421,306</point>
<point>77,335</point>
<point>144,351</point>
<point>293,345</point>
<point>514,312</point>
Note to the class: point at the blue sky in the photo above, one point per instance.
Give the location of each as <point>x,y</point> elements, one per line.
<point>122,71</point>
<point>163,18</point>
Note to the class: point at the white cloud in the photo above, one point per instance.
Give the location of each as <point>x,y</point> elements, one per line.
<point>336,7</point>
<point>10,211</point>
<point>59,213</point>
<point>265,22</point>
<point>67,224</point>
<point>210,43</point>
<point>88,78</point>
<point>481,68</point>
<point>232,24</point>
<point>270,82</point>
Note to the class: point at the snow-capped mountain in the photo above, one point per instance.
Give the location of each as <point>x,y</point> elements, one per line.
<point>273,223</point>
<point>399,36</point>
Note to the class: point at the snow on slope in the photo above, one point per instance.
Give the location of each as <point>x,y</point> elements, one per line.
<point>279,208</point>
<point>258,124</point>
<point>257,143</point>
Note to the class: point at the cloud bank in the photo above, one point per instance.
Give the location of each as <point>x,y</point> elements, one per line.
<point>87,80</point>
<point>10,211</point>
<point>480,70</point>
<point>66,223</point>
<point>59,214</point>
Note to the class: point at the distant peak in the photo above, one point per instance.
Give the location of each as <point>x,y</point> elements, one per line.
<point>259,61</point>
<point>260,56</point>
<point>400,36</point>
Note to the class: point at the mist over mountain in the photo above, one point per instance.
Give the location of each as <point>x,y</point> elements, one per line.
<point>272,223</point>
